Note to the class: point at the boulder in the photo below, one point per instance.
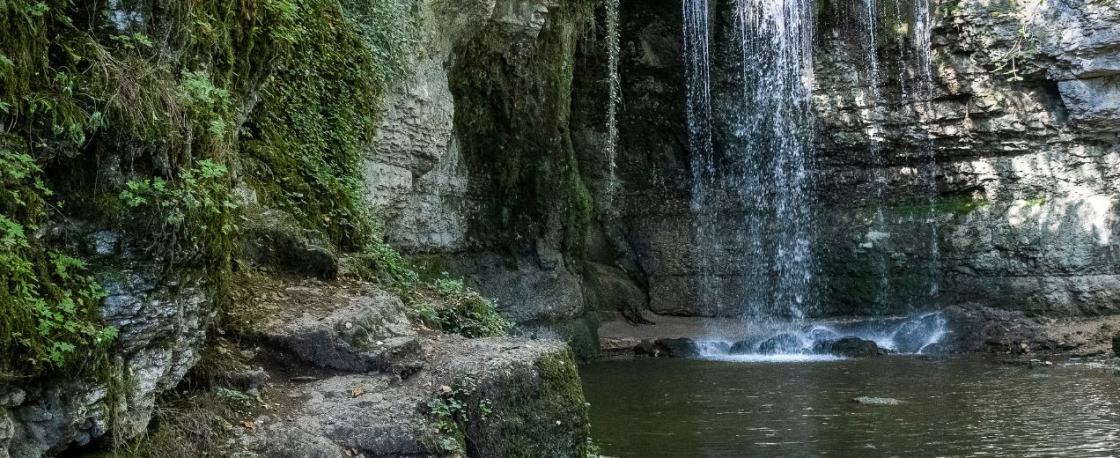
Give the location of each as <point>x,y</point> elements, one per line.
<point>850,347</point>
<point>782,343</point>
<point>344,328</point>
<point>741,347</point>
<point>680,348</point>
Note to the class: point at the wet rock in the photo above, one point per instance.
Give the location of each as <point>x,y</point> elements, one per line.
<point>783,343</point>
<point>617,347</point>
<point>680,348</point>
<point>874,401</point>
<point>741,347</point>
<point>983,329</point>
<point>1116,344</point>
<point>715,347</point>
<point>850,347</point>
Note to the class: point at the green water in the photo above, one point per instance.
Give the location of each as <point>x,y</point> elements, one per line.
<point>661,408</point>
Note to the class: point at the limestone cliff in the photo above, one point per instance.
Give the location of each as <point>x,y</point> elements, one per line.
<point>1017,129</point>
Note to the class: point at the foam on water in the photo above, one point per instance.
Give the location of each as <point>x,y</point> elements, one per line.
<point>901,335</point>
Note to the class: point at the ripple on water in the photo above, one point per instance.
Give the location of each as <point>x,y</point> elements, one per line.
<point>950,407</point>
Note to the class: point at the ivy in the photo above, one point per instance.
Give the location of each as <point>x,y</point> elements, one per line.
<point>49,306</point>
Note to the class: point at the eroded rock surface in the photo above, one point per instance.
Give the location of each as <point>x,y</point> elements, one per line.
<point>511,396</point>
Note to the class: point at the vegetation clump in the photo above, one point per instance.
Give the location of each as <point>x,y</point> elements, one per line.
<point>49,305</point>
<point>450,306</point>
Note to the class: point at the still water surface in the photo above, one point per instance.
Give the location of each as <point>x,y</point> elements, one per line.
<point>662,408</point>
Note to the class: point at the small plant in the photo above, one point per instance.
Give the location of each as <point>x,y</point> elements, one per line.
<point>187,214</point>
<point>49,306</point>
<point>459,309</point>
<point>382,259</point>
<point>451,409</point>
<point>593,449</point>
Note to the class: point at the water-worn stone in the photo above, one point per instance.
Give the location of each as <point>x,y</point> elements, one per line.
<point>680,348</point>
<point>850,347</point>
<point>782,343</point>
<point>742,347</point>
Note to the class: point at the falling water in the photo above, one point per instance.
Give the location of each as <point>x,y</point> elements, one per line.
<point>875,147</point>
<point>923,29</point>
<point>615,95</point>
<point>758,177</point>
<point>697,41</point>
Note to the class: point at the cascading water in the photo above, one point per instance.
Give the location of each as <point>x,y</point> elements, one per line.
<point>697,52</point>
<point>875,147</point>
<point>775,138</point>
<point>615,93</point>
<point>751,195</point>
<point>923,33</point>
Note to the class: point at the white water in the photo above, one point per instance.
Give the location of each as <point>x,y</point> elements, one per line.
<point>900,335</point>
<point>614,96</point>
<point>758,266</point>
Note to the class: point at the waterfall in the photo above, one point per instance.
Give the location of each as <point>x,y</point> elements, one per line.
<point>923,33</point>
<point>877,155</point>
<point>697,55</point>
<point>615,94</point>
<point>751,193</point>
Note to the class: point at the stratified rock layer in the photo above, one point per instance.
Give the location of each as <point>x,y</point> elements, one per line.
<point>1017,130</point>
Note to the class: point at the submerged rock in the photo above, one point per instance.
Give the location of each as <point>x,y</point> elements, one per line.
<point>850,347</point>
<point>874,401</point>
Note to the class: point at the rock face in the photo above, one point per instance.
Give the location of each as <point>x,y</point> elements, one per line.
<point>1024,151</point>
<point>998,181</point>
<point>446,192</point>
<point>161,322</point>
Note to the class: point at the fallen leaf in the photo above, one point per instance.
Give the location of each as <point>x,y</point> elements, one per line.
<point>358,391</point>
<point>249,425</point>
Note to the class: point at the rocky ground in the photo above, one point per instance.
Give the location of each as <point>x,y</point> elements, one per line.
<point>334,369</point>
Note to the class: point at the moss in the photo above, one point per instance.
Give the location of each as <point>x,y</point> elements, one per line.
<point>512,120</point>
<point>956,206</point>
<point>537,410</point>
<point>549,417</point>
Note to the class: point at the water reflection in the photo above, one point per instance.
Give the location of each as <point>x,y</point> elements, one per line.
<point>696,408</point>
